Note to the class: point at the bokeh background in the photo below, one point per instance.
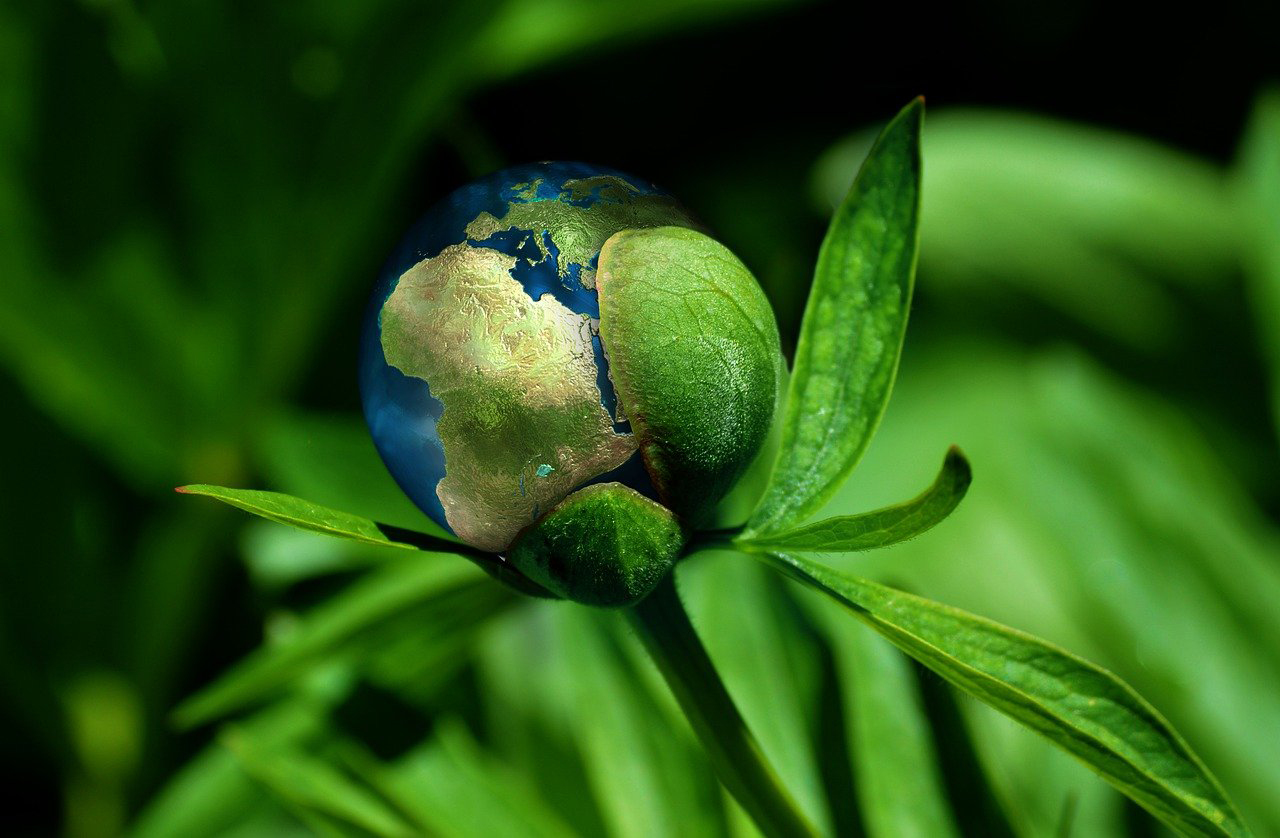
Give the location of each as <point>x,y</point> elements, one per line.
<point>196,197</point>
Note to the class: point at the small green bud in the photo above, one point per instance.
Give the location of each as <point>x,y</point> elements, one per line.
<point>604,545</point>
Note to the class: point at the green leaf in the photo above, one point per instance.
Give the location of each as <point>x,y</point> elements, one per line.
<point>667,634</point>
<point>1095,223</point>
<point>211,794</point>
<point>648,780</point>
<point>388,592</point>
<point>1068,533</point>
<point>694,353</point>
<point>1041,789</point>
<point>881,528</point>
<point>1258,179</point>
<point>330,459</point>
<point>606,545</point>
<point>1082,708</point>
<point>527,33</point>
<point>305,515</point>
<point>453,788</point>
<point>526,683</point>
<point>296,512</point>
<point>311,785</point>
<point>853,328</point>
<point>899,783</point>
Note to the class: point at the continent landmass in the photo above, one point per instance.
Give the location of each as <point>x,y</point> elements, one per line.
<point>587,212</point>
<point>511,372</point>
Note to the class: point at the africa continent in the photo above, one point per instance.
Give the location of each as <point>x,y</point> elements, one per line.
<point>512,373</point>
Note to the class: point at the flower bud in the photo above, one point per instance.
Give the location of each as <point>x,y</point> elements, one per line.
<point>557,365</point>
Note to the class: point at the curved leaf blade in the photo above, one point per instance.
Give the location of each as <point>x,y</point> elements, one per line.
<point>296,512</point>
<point>853,328</point>
<point>312,517</point>
<point>880,528</point>
<point>1081,707</point>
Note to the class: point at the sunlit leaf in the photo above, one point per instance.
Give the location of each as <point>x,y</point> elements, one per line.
<point>853,329</point>
<point>1083,708</point>
<point>881,528</point>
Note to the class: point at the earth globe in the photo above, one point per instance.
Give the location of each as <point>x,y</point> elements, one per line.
<point>483,378</point>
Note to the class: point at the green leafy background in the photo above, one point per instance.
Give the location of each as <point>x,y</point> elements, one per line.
<point>194,200</point>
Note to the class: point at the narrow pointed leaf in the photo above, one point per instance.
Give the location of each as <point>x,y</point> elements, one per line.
<point>1082,708</point>
<point>881,528</point>
<point>852,332</point>
<point>305,515</point>
<point>296,512</point>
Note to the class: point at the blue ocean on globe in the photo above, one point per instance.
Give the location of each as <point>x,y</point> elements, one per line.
<point>551,218</point>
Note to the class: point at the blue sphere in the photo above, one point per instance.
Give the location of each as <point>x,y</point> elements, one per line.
<point>483,379</point>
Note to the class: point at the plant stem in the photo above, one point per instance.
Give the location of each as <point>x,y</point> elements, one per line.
<point>671,641</point>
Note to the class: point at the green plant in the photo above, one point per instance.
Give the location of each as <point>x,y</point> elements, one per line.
<point>845,366</point>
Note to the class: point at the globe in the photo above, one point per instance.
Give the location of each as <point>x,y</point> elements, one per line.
<point>483,378</point>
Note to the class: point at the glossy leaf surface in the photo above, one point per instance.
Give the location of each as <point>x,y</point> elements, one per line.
<point>854,323</point>
<point>1081,707</point>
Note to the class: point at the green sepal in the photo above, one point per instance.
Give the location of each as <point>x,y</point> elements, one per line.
<point>695,357</point>
<point>605,545</point>
<point>851,337</point>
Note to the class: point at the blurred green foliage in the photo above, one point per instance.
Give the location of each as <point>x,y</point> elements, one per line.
<point>194,199</point>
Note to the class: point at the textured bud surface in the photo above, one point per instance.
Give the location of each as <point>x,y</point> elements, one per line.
<point>603,545</point>
<point>696,359</point>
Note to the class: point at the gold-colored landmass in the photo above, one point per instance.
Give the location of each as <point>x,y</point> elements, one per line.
<point>578,232</point>
<point>517,379</point>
